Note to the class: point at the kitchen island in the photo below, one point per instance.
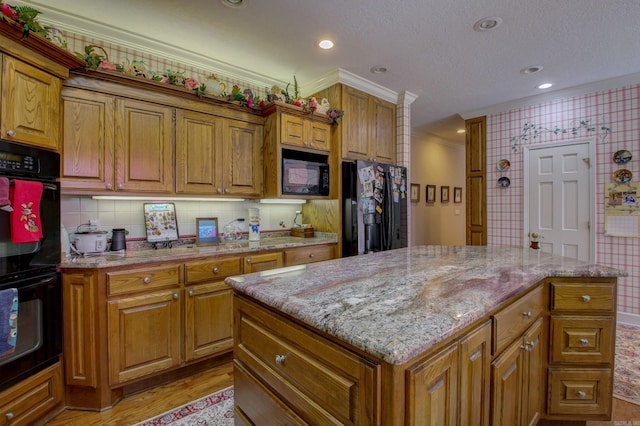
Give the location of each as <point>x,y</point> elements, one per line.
<point>430,334</point>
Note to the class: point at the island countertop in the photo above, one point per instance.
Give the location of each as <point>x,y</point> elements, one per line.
<point>397,304</point>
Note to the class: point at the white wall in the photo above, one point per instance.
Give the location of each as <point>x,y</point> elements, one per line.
<point>437,162</point>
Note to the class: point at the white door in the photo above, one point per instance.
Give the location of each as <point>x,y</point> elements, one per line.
<point>559,193</point>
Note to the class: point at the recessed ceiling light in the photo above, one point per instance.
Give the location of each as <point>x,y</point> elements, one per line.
<point>486,24</point>
<point>378,69</point>
<point>325,44</point>
<point>545,86</point>
<point>532,69</point>
<point>233,3</point>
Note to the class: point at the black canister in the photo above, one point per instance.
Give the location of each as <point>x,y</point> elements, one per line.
<point>118,241</point>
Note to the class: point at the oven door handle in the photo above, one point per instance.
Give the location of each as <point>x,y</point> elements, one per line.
<point>50,186</point>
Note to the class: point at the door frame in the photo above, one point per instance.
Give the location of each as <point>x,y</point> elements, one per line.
<point>591,141</point>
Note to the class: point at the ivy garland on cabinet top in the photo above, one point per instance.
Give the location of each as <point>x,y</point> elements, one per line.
<point>532,131</point>
<point>96,58</point>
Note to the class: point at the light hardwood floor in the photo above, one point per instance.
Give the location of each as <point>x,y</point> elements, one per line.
<point>163,398</point>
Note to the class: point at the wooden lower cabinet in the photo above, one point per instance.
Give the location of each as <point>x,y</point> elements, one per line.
<point>34,400</point>
<point>311,254</point>
<point>262,262</point>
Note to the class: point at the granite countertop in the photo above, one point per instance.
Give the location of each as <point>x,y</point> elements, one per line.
<point>191,251</point>
<point>397,304</point>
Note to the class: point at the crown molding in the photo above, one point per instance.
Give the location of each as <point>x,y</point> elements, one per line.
<point>581,90</point>
<point>352,80</point>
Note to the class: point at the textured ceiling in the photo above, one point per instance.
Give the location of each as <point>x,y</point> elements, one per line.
<point>428,46</point>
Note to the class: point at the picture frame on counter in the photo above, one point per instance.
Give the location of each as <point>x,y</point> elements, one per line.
<point>457,194</point>
<point>415,192</point>
<point>207,231</point>
<point>444,194</point>
<point>431,193</point>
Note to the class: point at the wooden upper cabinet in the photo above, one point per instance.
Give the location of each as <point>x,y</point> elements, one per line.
<point>305,132</point>
<point>144,142</point>
<point>198,152</point>
<point>88,140</point>
<point>242,159</point>
<point>30,105</point>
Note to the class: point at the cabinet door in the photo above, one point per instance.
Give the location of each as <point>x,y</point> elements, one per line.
<point>383,131</point>
<point>242,159</point>
<point>535,368</point>
<point>507,373</point>
<point>292,130</point>
<point>198,153</point>
<point>144,335</point>
<point>262,262</point>
<point>475,380</point>
<point>30,107</point>
<point>355,133</point>
<point>319,135</point>
<point>208,320</point>
<point>88,140</point>
<point>144,155</point>
<point>432,390</point>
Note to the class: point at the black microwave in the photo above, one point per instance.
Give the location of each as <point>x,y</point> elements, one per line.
<point>304,174</point>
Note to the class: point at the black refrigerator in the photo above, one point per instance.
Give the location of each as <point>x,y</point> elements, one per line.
<point>374,207</point>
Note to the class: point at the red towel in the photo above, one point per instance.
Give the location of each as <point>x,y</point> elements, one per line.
<point>25,217</point>
<point>4,192</point>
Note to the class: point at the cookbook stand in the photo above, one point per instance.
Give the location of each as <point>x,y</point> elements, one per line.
<point>161,224</point>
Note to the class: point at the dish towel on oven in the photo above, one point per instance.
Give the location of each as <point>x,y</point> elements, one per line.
<point>8,320</point>
<point>25,217</point>
<point>4,193</point>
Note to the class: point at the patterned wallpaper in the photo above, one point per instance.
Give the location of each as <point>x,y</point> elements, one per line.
<point>616,109</point>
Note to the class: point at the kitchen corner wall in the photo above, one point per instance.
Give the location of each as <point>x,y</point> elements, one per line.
<point>618,109</point>
<point>129,214</point>
<point>437,162</point>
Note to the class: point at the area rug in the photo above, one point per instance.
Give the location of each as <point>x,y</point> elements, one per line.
<point>626,377</point>
<point>212,410</point>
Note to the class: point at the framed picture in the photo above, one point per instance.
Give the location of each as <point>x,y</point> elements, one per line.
<point>457,194</point>
<point>444,194</point>
<point>431,193</point>
<point>207,231</point>
<point>415,192</point>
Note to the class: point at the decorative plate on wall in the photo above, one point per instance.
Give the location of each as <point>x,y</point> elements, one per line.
<point>622,157</point>
<point>623,176</point>
<point>504,182</point>
<point>503,165</point>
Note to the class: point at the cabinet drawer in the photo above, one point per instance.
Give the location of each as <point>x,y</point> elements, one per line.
<point>582,296</point>
<point>142,280</point>
<point>582,339</point>
<point>513,320</point>
<point>308,255</point>
<point>580,391</point>
<point>320,381</point>
<point>213,270</point>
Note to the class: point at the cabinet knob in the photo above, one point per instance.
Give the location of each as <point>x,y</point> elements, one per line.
<point>176,296</point>
<point>586,298</point>
<point>219,190</point>
<point>191,293</point>
<point>527,314</point>
<point>120,186</point>
<point>311,255</point>
<point>108,186</point>
<point>9,415</point>
<point>584,342</point>
<point>525,347</point>
<point>215,270</point>
<point>280,359</point>
<point>248,260</point>
<point>146,280</point>
<point>227,190</point>
<point>582,394</point>
<point>11,133</point>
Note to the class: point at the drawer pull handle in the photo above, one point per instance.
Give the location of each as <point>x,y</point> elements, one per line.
<point>526,347</point>
<point>586,298</point>
<point>280,359</point>
<point>9,415</point>
<point>146,280</point>
<point>582,394</point>
<point>215,270</point>
<point>11,133</point>
<point>527,314</point>
<point>176,296</point>
<point>584,342</point>
<point>248,260</point>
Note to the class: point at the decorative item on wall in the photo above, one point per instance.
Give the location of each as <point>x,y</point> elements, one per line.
<point>622,176</point>
<point>207,231</point>
<point>532,131</point>
<point>457,194</point>
<point>431,194</point>
<point>621,209</point>
<point>444,194</point>
<point>504,182</point>
<point>503,165</point>
<point>622,157</point>
<point>415,192</point>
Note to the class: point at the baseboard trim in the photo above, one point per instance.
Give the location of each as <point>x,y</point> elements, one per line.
<point>628,318</point>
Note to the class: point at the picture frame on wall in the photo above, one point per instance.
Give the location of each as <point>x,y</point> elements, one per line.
<point>415,192</point>
<point>431,193</point>
<point>444,194</point>
<point>457,194</point>
<point>207,231</point>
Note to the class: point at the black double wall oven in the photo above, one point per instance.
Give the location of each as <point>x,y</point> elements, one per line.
<point>31,267</point>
